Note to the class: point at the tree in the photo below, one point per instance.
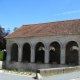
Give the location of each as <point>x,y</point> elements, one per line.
<point>15,28</point>
<point>3,33</point>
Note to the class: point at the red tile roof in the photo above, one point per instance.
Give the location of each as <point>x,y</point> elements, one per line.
<point>48,29</point>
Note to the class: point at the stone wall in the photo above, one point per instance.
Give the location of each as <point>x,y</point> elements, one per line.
<point>2,64</point>
<point>46,40</point>
<point>55,71</point>
<point>32,66</point>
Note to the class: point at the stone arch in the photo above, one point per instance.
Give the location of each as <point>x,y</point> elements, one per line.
<point>14,52</point>
<point>26,52</point>
<point>27,42</point>
<point>39,52</point>
<point>71,39</point>
<point>55,40</point>
<point>13,43</point>
<point>72,52</point>
<point>41,42</point>
<point>54,52</point>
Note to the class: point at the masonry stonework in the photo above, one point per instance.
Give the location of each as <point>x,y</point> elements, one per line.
<point>46,40</point>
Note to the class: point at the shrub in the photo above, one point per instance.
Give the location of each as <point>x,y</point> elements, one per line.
<point>1,55</point>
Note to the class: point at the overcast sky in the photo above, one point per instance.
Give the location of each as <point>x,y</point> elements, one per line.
<point>15,13</point>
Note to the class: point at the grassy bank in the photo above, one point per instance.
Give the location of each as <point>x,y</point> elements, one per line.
<point>20,72</point>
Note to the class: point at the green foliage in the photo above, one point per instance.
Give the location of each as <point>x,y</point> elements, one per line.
<point>1,55</point>
<point>3,33</point>
<point>15,28</point>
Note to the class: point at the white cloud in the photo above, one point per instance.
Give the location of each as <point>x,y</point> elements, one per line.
<point>71,12</point>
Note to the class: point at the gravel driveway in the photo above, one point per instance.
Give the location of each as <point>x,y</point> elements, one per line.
<point>67,76</point>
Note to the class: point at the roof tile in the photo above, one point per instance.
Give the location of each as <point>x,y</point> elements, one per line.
<point>47,29</point>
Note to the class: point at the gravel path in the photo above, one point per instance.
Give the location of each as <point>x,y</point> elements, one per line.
<point>67,76</point>
<point>4,76</point>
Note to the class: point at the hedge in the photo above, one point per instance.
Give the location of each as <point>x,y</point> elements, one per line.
<point>1,55</point>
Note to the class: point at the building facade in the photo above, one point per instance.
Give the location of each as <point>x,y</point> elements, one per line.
<point>45,45</point>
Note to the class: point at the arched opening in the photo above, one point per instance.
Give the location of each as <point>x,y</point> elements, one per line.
<point>72,53</point>
<point>26,53</point>
<point>54,53</point>
<point>14,52</point>
<point>39,53</point>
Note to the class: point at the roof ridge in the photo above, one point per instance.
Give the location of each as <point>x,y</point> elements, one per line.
<point>50,28</point>
<point>49,22</point>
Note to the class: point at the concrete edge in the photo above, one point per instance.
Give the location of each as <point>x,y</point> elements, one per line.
<point>56,71</point>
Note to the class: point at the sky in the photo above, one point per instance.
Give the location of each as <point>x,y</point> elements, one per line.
<point>15,13</point>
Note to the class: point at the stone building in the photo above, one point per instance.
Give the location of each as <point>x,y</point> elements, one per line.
<point>45,45</point>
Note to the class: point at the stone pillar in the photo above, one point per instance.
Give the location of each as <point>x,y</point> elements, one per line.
<point>62,56</point>
<point>8,54</point>
<point>20,53</point>
<point>46,57</point>
<point>8,51</point>
<point>32,55</point>
<point>79,57</point>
